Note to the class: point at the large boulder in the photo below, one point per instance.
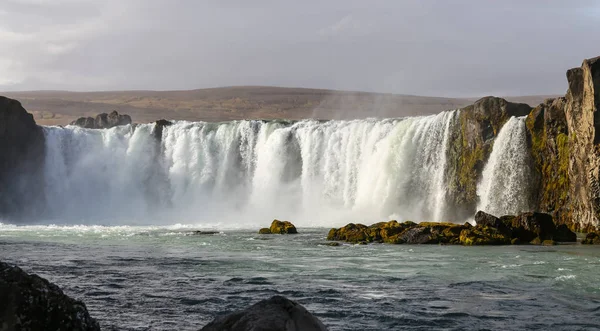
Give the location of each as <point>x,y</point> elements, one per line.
<point>274,314</point>
<point>103,121</point>
<point>22,155</point>
<point>530,225</point>
<point>282,227</point>
<point>29,302</point>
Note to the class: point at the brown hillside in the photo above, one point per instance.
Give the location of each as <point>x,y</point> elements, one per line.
<point>230,103</point>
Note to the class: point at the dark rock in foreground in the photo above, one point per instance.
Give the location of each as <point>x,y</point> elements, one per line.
<point>29,302</point>
<point>279,227</point>
<point>103,121</point>
<point>534,228</point>
<point>274,314</point>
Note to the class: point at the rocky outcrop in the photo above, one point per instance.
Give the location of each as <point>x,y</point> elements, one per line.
<point>103,121</point>
<point>279,227</point>
<point>159,127</point>
<point>547,125</point>
<point>534,228</point>
<point>29,302</point>
<point>472,136</point>
<point>583,120</point>
<point>274,314</point>
<point>565,144</point>
<point>22,153</point>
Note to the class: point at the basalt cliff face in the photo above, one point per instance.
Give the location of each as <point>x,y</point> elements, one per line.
<point>560,138</point>
<point>471,141</point>
<point>565,144</point>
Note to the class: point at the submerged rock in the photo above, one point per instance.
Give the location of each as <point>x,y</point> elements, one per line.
<point>29,302</point>
<point>275,314</point>
<point>285,227</point>
<point>264,231</point>
<point>103,121</point>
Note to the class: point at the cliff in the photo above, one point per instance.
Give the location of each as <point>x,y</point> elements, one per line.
<point>22,151</point>
<point>472,136</point>
<point>566,148</point>
<point>562,137</point>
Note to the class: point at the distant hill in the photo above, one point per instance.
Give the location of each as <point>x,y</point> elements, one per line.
<point>231,103</point>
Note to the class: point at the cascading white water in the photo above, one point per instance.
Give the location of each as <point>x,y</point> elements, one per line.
<point>505,184</point>
<point>243,173</point>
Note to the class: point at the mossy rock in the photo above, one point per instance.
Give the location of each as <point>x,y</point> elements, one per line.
<point>483,235</point>
<point>353,233</point>
<point>536,241</point>
<point>264,231</point>
<point>592,238</point>
<point>548,243</point>
<point>285,227</point>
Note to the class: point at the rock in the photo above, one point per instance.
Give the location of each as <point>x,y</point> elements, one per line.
<point>353,233</point>
<point>103,121</point>
<point>393,232</point>
<point>22,157</point>
<point>472,134</point>
<point>85,122</point>
<point>159,127</point>
<point>419,235</point>
<point>285,227</point>
<point>274,314</point>
<point>264,231</point>
<point>30,302</point>
<point>203,233</point>
<point>563,234</point>
<point>485,219</point>
<point>592,238</point>
<point>528,226</point>
<point>483,235</point>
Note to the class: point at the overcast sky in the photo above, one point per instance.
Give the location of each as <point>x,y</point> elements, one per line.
<point>440,48</point>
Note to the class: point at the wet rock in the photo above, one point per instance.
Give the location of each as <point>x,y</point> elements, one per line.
<point>485,219</point>
<point>285,227</point>
<point>203,233</point>
<point>275,314</point>
<point>264,231</point>
<point>563,234</point>
<point>483,235</point>
<point>528,226</point>
<point>592,238</point>
<point>29,302</point>
<point>393,232</point>
<point>103,121</point>
<point>352,233</point>
<point>159,127</point>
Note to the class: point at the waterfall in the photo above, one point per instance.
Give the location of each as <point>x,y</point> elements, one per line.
<point>506,180</point>
<point>248,172</point>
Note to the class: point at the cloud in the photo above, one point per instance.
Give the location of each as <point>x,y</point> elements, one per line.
<point>428,47</point>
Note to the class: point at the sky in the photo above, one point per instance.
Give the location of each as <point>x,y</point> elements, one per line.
<point>460,48</point>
